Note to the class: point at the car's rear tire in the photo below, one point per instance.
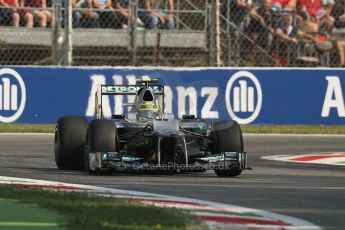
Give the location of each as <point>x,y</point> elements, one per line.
<point>101,137</point>
<point>228,138</point>
<point>70,135</point>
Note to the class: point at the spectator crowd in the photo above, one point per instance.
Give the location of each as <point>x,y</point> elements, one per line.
<point>152,14</point>
<point>279,26</point>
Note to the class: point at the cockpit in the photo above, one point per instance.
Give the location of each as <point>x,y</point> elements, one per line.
<point>148,96</point>
<point>146,105</point>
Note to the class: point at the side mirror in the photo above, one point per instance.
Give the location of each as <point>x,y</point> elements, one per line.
<point>118,116</point>
<point>188,117</point>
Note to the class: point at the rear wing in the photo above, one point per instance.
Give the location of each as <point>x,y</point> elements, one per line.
<point>128,89</point>
<point>103,90</point>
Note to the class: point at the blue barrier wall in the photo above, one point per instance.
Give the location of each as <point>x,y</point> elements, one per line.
<point>256,96</point>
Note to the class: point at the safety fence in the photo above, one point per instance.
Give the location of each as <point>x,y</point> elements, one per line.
<point>172,33</point>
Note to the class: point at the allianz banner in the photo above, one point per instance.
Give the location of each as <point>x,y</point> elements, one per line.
<point>250,96</point>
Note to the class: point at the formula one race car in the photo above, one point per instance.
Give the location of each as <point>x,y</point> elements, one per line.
<point>147,138</point>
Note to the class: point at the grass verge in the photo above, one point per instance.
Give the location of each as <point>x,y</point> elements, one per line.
<point>285,129</point>
<point>83,211</point>
<point>26,128</point>
<point>293,129</point>
<point>20,216</point>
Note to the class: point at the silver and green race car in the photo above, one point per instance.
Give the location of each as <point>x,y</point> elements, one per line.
<point>147,138</point>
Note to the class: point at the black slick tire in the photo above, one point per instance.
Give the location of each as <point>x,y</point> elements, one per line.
<point>228,138</point>
<point>70,136</point>
<point>101,137</point>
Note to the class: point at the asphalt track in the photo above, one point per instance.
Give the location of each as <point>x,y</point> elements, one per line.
<point>311,192</point>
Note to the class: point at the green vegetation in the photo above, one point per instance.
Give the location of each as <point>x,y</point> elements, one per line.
<point>293,129</point>
<point>16,215</point>
<point>84,211</point>
<point>26,128</point>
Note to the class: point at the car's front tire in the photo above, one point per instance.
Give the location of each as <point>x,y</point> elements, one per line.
<point>228,138</point>
<point>101,137</point>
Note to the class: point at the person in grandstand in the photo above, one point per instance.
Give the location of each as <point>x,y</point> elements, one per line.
<point>153,15</point>
<point>261,18</point>
<point>260,27</point>
<point>122,13</point>
<point>318,15</point>
<point>76,15</point>
<point>83,15</point>
<point>340,45</point>
<point>342,17</point>
<point>338,13</point>
<point>238,9</point>
<point>288,5</point>
<point>328,6</point>
<point>285,40</point>
<point>327,20</point>
<point>37,9</point>
<point>261,22</point>
<point>105,10</point>
<point>9,12</point>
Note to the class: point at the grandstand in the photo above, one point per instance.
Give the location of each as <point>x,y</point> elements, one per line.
<point>203,33</point>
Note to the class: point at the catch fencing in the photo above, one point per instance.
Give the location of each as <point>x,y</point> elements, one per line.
<point>191,33</point>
